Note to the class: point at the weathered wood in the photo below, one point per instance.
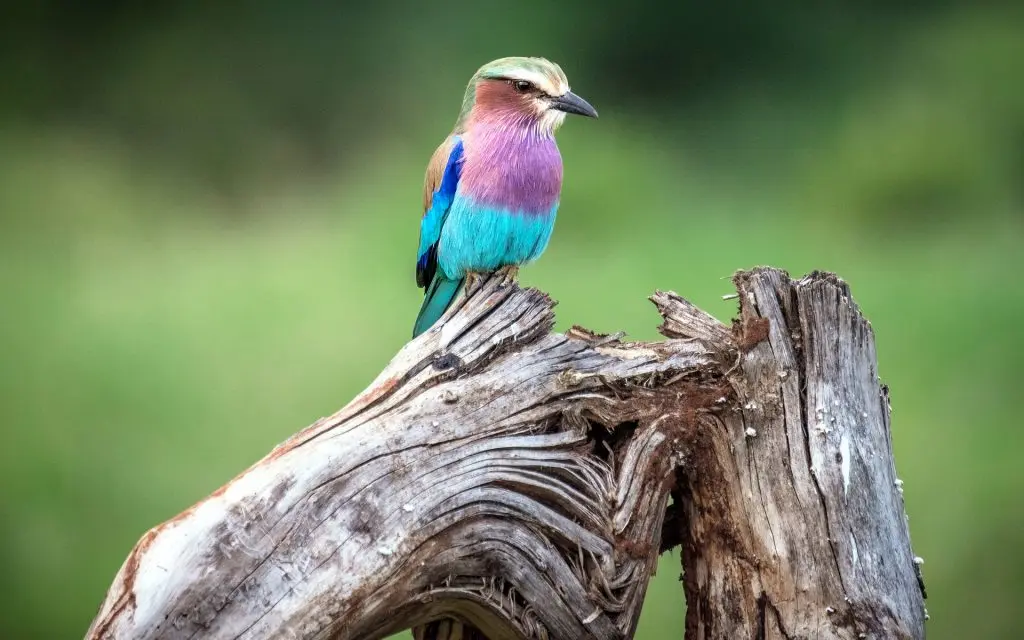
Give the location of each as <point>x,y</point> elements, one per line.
<point>517,480</point>
<point>794,525</point>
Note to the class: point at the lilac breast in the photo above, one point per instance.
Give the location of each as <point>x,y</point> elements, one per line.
<point>515,168</point>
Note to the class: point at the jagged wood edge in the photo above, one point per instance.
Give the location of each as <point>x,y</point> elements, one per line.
<point>298,552</point>
<point>791,513</point>
<point>650,399</point>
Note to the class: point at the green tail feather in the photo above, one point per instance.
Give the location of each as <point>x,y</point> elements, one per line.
<point>438,297</point>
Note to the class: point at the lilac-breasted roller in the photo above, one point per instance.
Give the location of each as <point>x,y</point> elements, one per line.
<point>492,188</point>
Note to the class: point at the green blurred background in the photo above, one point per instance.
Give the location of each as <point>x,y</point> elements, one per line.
<point>210,212</point>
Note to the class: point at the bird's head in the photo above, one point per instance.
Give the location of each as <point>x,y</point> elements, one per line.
<point>531,89</point>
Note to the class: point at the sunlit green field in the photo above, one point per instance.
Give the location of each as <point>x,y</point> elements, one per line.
<point>155,341</point>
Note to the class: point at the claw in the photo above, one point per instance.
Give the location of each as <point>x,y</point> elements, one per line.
<point>509,274</point>
<point>472,281</point>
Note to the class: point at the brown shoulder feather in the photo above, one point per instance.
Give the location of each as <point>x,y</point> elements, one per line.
<point>435,170</point>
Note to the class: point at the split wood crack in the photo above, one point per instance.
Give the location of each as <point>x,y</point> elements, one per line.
<point>501,481</point>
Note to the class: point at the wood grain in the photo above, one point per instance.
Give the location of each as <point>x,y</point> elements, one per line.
<point>504,481</point>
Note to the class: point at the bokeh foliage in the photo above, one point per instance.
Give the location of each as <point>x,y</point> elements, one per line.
<point>209,214</point>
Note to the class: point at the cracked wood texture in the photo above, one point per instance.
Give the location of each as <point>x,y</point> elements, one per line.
<point>498,480</point>
<point>792,517</point>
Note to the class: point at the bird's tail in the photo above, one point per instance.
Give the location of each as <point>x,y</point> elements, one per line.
<point>436,300</point>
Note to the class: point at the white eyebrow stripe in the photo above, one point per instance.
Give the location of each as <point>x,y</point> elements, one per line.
<point>541,80</point>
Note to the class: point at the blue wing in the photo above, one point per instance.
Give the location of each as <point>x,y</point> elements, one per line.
<point>439,203</point>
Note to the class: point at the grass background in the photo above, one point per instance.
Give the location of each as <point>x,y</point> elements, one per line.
<point>176,305</point>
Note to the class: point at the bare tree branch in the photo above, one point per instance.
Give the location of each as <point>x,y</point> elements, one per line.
<point>794,522</point>
<point>512,483</point>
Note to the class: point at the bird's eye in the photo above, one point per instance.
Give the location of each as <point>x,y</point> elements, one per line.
<point>522,86</point>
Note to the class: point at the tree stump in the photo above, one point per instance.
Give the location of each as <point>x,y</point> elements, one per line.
<point>502,481</point>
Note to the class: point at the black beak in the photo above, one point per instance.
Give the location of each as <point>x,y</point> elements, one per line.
<point>572,103</point>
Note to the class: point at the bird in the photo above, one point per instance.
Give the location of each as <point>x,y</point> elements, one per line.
<point>492,187</point>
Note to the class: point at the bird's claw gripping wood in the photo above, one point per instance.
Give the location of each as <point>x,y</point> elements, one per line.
<point>506,276</point>
<point>509,275</point>
<point>473,281</point>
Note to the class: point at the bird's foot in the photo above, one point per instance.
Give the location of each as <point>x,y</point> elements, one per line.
<point>473,281</point>
<point>509,275</point>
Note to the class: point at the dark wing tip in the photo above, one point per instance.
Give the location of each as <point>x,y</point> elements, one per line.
<point>426,266</point>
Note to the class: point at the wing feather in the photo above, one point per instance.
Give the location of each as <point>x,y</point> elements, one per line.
<point>439,186</point>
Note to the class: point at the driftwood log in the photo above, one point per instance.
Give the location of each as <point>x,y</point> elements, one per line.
<point>516,483</point>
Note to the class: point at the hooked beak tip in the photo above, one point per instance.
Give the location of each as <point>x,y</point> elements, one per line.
<point>572,103</point>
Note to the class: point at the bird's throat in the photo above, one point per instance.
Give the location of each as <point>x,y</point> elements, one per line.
<point>513,164</point>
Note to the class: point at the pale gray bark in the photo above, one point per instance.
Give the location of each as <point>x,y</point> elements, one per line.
<point>517,480</point>
<point>794,525</point>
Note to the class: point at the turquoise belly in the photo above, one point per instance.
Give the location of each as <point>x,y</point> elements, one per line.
<point>478,239</point>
